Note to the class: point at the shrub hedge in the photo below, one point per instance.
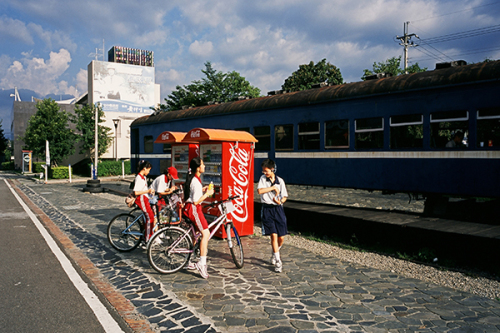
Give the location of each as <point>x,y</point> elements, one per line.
<point>7,165</point>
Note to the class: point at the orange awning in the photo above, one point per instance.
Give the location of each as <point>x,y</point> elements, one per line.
<point>205,134</point>
<point>170,137</point>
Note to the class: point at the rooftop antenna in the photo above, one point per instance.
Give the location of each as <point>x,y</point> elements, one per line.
<point>16,95</point>
<point>97,53</point>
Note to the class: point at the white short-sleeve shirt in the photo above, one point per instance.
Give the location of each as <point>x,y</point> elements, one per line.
<point>161,184</point>
<point>268,197</point>
<point>196,190</point>
<point>141,184</point>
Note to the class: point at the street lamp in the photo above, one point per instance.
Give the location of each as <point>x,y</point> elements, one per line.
<point>116,121</point>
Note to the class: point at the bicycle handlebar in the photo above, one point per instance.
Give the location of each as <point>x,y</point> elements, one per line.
<point>215,203</point>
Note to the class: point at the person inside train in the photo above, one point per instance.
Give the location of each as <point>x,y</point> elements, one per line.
<point>164,185</point>
<point>273,194</point>
<point>142,192</point>
<point>456,142</point>
<point>194,195</point>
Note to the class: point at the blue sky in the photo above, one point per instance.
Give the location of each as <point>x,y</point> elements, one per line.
<point>46,45</point>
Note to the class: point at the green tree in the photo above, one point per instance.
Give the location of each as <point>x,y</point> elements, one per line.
<point>215,86</point>
<point>52,124</point>
<point>309,74</point>
<point>85,124</point>
<point>4,142</point>
<point>392,66</point>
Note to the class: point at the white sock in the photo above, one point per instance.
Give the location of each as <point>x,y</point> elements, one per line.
<point>277,256</point>
<point>203,260</point>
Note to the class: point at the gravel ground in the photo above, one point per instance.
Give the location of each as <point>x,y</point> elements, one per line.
<point>461,281</point>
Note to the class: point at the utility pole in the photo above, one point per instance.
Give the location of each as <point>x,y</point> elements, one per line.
<point>406,42</point>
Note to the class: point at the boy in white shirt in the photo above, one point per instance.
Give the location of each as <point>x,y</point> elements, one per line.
<point>273,195</point>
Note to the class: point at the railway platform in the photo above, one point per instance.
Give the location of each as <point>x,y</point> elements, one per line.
<point>312,294</point>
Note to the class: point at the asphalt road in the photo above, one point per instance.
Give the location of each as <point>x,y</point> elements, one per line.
<point>35,291</point>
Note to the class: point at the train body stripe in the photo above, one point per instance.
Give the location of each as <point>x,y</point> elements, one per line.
<point>147,156</point>
<point>396,154</point>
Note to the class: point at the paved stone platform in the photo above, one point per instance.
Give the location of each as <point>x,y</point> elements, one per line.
<point>313,294</point>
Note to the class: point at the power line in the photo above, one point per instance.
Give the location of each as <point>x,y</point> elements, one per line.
<point>460,35</point>
<point>475,51</point>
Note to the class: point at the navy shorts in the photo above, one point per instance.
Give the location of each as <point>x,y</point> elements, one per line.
<point>273,220</point>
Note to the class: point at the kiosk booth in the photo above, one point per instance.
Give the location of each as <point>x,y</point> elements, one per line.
<point>181,151</point>
<point>27,159</point>
<point>228,157</point>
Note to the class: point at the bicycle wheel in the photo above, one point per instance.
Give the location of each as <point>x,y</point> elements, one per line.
<point>125,232</point>
<point>167,251</point>
<point>235,246</point>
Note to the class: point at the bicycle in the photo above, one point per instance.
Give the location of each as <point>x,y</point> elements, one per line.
<point>170,248</point>
<point>126,231</point>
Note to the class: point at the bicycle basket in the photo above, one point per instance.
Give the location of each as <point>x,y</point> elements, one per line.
<point>228,205</point>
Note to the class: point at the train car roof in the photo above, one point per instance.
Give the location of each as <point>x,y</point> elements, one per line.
<point>479,72</point>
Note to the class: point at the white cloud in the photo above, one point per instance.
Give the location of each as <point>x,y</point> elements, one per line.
<point>14,30</point>
<point>201,49</point>
<point>37,74</point>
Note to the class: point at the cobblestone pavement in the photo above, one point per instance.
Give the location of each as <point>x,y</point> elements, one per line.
<point>313,294</point>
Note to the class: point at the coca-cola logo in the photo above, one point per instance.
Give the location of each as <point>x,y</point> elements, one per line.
<point>195,134</point>
<point>239,169</point>
<point>165,136</point>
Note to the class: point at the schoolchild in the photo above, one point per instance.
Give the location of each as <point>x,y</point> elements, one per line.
<point>273,194</point>
<point>164,185</point>
<point>194,194</point>
<point>142,192</point>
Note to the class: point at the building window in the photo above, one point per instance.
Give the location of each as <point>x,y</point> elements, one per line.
<point>283,137</point>
<point>308,136</point>
<point>337,134</point>
<point>369,133</point>
<point>263,134</point>
<point>488,128</point>
<point>444,126</point>
<point>148,144</point>
<point>407,131</point>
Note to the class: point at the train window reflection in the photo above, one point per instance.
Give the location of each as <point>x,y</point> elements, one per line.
<point>148,144</point>
<point>283,137</point>
<point>488,128</point>
<point>308,136</point>
<point>263,134</point>
<point>369,133</point>
<point>446,125</point>
<point>407,131</point>
<point>337,134</point>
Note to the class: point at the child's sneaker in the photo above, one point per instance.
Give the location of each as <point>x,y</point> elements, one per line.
<point>202,269</point>
<point>278,266</point>
<point>190,266</point>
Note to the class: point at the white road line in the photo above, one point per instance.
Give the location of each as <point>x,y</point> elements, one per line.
<point>107,321</point>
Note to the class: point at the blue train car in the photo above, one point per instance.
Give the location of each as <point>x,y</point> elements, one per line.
<point>389,134</point>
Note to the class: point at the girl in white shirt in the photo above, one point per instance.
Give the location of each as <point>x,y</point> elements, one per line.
<point>141,192</point>
<point>194,196</point>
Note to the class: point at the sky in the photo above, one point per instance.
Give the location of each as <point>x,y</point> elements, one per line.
<point>46,45</point>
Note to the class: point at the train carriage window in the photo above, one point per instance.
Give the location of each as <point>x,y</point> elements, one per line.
<point>369,133</point>
<point>283,137</point>
<point>407,131</point>
<point>337,134</point>
<point>488,127</point>
<point>148,144</point>
<point>263,134</point>
<point>308,136</point>
<point>444,126</point>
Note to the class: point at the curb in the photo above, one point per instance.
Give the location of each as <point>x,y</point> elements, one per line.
<point>122,305</point>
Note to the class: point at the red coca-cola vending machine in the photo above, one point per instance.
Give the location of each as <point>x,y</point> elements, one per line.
<point>181,151</point>
<point>228,157</point>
